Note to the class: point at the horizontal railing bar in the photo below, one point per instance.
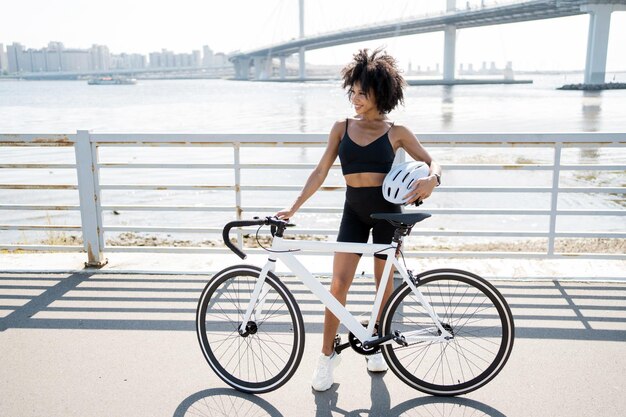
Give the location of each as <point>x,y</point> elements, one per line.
<point>156,229</point>
<point>612,190</point>
<point>209,166</point>
<point>452,167</point>
<point>166,187</point>
<point>47,248</point>
<point>36,207</point>
<point>477,233</point>
<point>530,212</point>
<point>305,138</point>
<point>590,167</point>
<point>271,210</point>
<point>408,254</point>
<point>38,139</point>
<point>38,227</point>
<point>439,189</point>
<point>38,187</point>
<point>591,212</point>
<point>428,210</point>
<point>590,235</point>
<point>213,187</point>
<point>540,139</point>
<point>468,189</point>
<point>38,166</point>
<point>168,208</point>
<point>416,233</point>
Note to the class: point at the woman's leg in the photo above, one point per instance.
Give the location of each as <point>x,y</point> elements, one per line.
<point>344,268</point>
<point>379,266</point>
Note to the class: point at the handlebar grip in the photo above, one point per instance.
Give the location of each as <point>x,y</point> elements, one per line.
<point>239,223</point>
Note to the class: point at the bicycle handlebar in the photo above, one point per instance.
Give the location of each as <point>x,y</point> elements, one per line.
<point>280,224</point>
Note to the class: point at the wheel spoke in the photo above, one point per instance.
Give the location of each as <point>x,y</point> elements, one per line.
<point>471,311</point>
<point>271,348</point>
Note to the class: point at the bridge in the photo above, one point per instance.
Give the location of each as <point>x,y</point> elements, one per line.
<point>453,19</point>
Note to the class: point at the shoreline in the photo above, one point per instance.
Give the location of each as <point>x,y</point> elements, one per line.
<point>562,245</point>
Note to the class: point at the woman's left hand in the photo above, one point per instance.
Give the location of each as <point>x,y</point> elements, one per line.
<point>421,189</point>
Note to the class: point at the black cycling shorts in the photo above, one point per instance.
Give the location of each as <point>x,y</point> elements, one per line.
<point>356,222</point>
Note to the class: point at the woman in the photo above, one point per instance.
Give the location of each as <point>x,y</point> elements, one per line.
<point>366,145</point>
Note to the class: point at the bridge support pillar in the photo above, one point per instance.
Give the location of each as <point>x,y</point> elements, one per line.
<point>261,65</point>
<point>598,40</point>
<point>242,68</point>
<point>449,52</point>
<point>302,64</point>
<point>449,45</point>
<point>283,67</point>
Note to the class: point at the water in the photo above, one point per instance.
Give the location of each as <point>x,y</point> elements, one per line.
<point>221,106</point>
<point>247,107</point>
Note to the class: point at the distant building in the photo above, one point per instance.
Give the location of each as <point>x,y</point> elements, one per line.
<point>100,58</point>
<point>4,63</point>
<point>207,57</point>
<point>168,59</point>
<point>128,61</point>
<point>56,58</point>
<point>75,60</point>
<point>196,60</point>
<point>14,53</point>
<point>220,60</point>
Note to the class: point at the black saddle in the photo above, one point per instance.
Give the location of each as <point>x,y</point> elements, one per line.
<point>401,219</point>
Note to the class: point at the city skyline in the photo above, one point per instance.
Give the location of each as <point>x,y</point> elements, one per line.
<point>554,44</point>
<point>57,57</point>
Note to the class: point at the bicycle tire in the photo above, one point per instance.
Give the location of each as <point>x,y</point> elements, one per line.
<point>473,310</point>
<point>268,355</point>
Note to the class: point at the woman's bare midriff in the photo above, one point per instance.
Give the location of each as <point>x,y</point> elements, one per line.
<point>365,179</point>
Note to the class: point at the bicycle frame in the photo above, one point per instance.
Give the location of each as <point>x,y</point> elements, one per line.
<point>284,249</point>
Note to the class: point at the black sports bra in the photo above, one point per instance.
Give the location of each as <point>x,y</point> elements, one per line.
<point>376,156</point>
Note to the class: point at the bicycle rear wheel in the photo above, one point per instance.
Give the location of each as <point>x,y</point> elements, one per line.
<point>472,310</point>
<point>268,353</point>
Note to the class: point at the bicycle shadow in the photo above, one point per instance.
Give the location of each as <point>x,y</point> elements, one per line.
<point>225,402</point>
<point>326,404</point>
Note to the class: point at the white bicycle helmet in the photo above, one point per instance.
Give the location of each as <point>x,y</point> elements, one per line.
<point>398,181</point>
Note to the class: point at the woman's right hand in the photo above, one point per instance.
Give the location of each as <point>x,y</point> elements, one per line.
<point>285,214</point>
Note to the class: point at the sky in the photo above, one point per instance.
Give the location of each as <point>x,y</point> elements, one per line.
<point>144,26</point>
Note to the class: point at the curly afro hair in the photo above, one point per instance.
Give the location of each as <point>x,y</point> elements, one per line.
<point>377,72</point>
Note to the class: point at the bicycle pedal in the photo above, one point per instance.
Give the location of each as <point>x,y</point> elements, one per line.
<point>399,339</point>
<point>340,348</point>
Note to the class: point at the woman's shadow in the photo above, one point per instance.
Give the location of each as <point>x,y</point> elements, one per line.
<point>326,404</point>
<point>229,402</point>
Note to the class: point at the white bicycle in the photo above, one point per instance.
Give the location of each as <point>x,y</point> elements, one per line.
<point>444,332</point>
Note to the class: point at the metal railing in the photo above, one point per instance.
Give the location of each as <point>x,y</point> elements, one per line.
<point>87,147</point>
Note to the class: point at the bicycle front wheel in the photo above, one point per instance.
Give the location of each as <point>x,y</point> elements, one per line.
<point>267,354</point>
<point>471,310</point>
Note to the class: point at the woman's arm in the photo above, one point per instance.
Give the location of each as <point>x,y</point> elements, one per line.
<point>317,177</point>
<point>424,187</point>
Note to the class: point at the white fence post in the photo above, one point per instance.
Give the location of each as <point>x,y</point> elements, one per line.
<point>237,167</point>
<point>90,215</point>
<point>556,173</point>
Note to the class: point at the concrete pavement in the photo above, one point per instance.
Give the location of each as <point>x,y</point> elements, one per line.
<point>113,343</point>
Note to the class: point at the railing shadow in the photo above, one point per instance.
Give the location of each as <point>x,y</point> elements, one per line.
<point>92,300</point>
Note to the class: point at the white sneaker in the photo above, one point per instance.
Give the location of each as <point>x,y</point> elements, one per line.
<point>376,363</point>
<point>323,374</point>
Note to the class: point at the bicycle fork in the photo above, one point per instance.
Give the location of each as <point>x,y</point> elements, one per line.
<point>257,300</point>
